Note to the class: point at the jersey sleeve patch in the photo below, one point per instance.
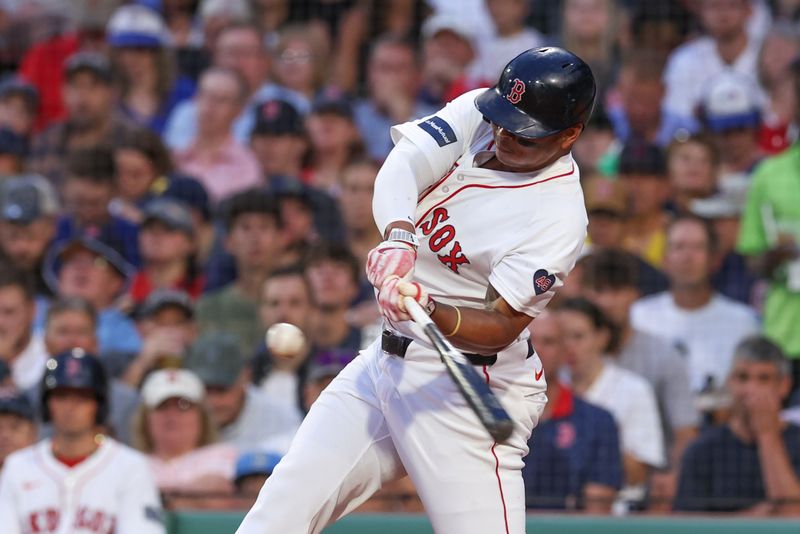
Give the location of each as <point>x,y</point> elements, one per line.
<point>439,129</point>
<point>543,281</point>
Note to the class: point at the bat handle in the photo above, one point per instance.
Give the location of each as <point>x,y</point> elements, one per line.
<point>416,312</point>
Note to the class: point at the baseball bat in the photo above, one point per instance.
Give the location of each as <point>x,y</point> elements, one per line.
<point>472,386</point>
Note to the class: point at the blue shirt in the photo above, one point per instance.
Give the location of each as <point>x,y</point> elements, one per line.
<point>374,126</point>
<point>183,89</point>
<point>576,446</point>
<point>721,473</point>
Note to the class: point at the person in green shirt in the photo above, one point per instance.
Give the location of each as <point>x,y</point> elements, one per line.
<point>769,235</point>
<point>254,239</point>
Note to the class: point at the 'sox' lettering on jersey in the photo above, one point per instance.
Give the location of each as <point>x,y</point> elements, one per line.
<point>442,237</point>
<point>438,128</point>
<point>517,90</point>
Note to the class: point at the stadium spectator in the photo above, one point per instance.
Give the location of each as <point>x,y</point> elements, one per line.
<point>17,426</point>
<point>194,196</point>
<point>301,60</point>
<point>704,324</point>
<point>321,372</point>
<point>577,462</point>
<point>607,209</point>
<point>255,240</point>
<point>174,428</point>
<point>692,166</point>
<point>19,103</point>
<point>333,274</point>
<point>239,47</point>
<point>297,214</point>
<point>149,85</point>
<point>279,140</point>
<point>731,275</point>
<point>643,171</point>
<point>358,182</point>
<point>335,142</point>
<point>166,241</point>
<point>588,335</point>
<point>510,38</point>
<point>730,111</point>
<point>246,418</point>
<point>86,268</point>
<point>726,46</point>
<point>21,349</point>
<point>220,162</point>
<point>285,298</point>
<point>28,210</point>
<point>253,468</point>
<point>165,322</point>
<point>597,149</point>
<point>88,191</point>
<point>609,281</point>
<point>752,462</point>
<point>393,82</point>
<point>116,490</point>
<point>636,111</point>
<point>71,324</point>
<point>90,120</point>
<point>591,29</point>
<point>13,152</point>
<point>448,50</point>
<point>142,164</point>
<point>779,49</point>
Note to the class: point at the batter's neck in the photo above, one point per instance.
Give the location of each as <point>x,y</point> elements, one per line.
<point>72,446</point>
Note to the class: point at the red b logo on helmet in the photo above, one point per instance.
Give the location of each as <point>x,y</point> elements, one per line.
<point>516,92</point>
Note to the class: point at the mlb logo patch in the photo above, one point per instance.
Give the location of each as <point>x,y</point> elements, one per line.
<point>543,281</point>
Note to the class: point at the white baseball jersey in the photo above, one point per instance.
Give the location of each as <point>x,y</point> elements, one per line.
<point>111,492</point>
<point>385,416</point>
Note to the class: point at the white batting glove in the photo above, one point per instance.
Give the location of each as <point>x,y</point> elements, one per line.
<point>392,293</point>
<point>390,258</point>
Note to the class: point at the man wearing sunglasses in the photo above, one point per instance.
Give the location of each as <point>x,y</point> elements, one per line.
<point>483,217</point>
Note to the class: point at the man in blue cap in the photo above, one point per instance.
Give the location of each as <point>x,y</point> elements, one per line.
<point>17,427</point>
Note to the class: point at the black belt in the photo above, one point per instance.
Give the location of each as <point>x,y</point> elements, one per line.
<point>398,345</point>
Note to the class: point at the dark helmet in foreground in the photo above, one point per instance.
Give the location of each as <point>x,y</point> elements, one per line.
<point>541,92</point>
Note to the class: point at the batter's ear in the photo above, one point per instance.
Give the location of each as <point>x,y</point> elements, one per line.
<point>570,135</point>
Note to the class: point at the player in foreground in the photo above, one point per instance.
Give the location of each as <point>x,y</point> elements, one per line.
<point>483,218</point>
<point>78,482</point>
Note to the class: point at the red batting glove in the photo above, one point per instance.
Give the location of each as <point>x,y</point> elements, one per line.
<point>392,293</point>
<point>390,258</point>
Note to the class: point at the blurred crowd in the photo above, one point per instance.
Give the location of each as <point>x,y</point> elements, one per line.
<point>176,176</point>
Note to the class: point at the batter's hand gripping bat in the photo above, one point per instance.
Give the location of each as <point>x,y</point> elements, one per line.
<point>476,391</point>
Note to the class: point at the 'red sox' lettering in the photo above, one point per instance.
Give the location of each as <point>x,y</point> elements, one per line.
<point>442,237</point>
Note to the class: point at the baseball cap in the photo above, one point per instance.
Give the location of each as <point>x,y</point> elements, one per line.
<point>23,199</point>
<point>12,143</point>
<point>167,384</point>
<point>16,86</point>
<point>334,103</point>
<point>136,26</point>
<point>256,463</point>
<point>16,403</point>
<point>114,258</point>
<point>165,298</point>
<point>276,117</point>
<point>730,101</point>
<point>169,212</point>
<point>93,62</point>
<point>604,194</point>
<point>189,191</point>
<point>216,359</point>
<point>638,157</point>
<point>440,22</point>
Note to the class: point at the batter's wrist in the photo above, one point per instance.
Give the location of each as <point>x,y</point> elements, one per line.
<point>398,234</point>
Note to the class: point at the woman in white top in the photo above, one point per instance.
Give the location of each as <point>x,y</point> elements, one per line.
<point>588,336</point>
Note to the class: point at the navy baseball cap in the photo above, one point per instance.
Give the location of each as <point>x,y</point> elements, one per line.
<point>333,103</point>
<point>136,26</point>
<point>638,157</point>
<point>62,251</point>
<point>16,403</point>
<point>276,117</point>
<point>24,199</point>
<point>189,191</point>
<point>16,86</point>
<point>171,213</point>
<point>256,463</point>
<point>13,144</point>
<point>165,298</point>
<point>93,62</point>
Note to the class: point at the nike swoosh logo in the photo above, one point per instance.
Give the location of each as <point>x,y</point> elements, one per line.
<point>539,374</point>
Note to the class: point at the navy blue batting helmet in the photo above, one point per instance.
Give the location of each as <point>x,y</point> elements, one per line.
<point>541,92</point>
<point>76,369</point>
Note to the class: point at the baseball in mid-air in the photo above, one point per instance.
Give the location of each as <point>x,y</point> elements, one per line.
<point>286,340</point>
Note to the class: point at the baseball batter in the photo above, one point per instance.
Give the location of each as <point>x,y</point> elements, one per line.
<point>483,216</point>
<point>78,482</point>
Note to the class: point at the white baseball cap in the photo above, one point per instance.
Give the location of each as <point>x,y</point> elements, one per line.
<point>440,22</point>
<point>731,100</point>
<point>137,26</point>
<point>171,383</point>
